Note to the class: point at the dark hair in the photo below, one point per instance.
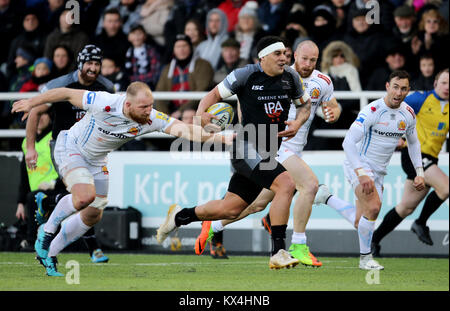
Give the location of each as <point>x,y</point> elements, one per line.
<point>112,11</point>
<point>266,41</point>
<point>400,74</point>
<point>426,56</point>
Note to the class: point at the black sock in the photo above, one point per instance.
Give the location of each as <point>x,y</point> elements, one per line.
<point>431,204</point>
<point>390,221</point>
<point>185,216</point>
<point>90,240</point>
<point>278,238</point>
<point>217,238</point>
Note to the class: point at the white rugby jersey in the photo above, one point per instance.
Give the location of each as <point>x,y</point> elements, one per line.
<point>105,128</point>
<point>320,88</point>
<point>376,132</point>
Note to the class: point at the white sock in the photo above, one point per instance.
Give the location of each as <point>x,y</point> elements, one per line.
<point>347,210</point>
<point>217,226</point>
<point>298,238</point>
<point>365,233</point>
<point>62,210</point>
<point>71,230</point>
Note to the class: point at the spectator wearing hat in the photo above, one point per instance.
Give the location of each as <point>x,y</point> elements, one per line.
<point>67,34</point>
<point>230,60</point>
<point>153,16</point>
<point>185,72</point>
<point>32,35</point>
<point>216,34</point>
<point>40,75</point>
<point>366,42</point>
<point>24,59</point>
<point>341,64</point>
<point>142,60</point>
<point>248,29</point>
<point>395,60</point>
<point>323,29</point>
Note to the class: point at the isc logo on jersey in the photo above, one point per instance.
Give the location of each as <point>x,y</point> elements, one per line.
<point>273,110</point>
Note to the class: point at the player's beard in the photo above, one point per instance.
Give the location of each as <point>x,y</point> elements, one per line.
<point>304,72</point>
<point>139,118</point>
<point>88,79</point>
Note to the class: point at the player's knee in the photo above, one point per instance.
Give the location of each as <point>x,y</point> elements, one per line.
<point>310,187</point>
<point>284,185</point>
<point>374,210</point>
<point>81,200</point>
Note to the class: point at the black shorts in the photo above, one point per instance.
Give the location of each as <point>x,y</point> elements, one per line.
<point>247,181</point>
<point>409,168</point>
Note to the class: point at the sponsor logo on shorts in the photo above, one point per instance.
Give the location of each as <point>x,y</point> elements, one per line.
<point>105,170</point>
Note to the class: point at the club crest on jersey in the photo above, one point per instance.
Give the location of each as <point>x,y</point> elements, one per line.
<point>90,98</point>
<point>401,125</point>
<point>273,110</point>
<point>315,93</point>
<point>133,131</point>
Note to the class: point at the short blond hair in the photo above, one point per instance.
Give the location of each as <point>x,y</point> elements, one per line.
<point>135,87</point>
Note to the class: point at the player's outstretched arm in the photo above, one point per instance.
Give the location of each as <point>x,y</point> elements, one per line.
<point>196,133</point>
<point>75,97</point>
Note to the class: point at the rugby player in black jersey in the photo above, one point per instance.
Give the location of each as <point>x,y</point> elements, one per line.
<point>265,92</point>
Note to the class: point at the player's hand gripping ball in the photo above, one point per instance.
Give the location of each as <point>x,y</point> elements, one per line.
<point>224,113</point>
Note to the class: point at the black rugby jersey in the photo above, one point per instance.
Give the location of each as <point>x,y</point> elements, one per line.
<point>64,115</point>
<point>264,100</point>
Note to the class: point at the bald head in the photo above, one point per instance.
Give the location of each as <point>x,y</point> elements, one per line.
<point>306,56</point>
<point>139,102</point>
<point>308,45</point>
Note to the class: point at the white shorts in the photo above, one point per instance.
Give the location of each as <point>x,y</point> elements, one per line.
<point>67,157</point>
<point>352,178</point>
<point>288,149</point>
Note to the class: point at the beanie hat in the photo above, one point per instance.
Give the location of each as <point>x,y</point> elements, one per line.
<point>88,53</point>
<point>44,60</point>
<point>25,53</point>
<point>249,9</point>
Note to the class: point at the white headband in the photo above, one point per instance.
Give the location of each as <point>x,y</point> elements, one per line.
<point>271,48</point>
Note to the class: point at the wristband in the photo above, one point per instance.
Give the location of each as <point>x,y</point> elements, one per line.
<point>419,171</point>
<point>361,172</point>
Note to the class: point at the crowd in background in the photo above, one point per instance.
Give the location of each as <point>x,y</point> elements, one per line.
<point>191,45</point>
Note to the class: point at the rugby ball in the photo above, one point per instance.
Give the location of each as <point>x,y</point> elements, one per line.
<point>224,112</point>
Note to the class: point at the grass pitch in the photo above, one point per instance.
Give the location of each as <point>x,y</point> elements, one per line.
<point>132,272</point>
